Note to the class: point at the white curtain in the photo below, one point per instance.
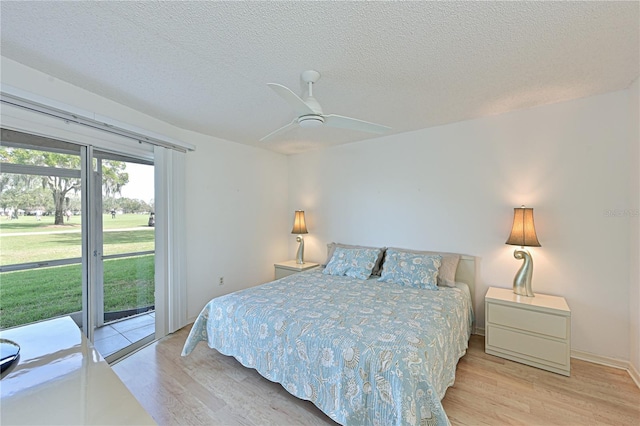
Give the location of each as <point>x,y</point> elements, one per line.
<point>171,295</point>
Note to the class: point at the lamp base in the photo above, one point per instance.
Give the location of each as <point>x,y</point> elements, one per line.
<point>300,254</point>
<point>522,280</point>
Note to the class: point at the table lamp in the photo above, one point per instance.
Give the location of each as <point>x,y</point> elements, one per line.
<point>299,227</point>
<point>523,234</point>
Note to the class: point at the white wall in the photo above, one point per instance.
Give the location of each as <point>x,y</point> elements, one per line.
<point>634,206</point>
<point>237,217</point>
<point>236,196</point>
<point>454,187</point>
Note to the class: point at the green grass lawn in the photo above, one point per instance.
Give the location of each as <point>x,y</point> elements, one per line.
<point>37,294</point>
<point>39,246</point>
<point>31,224</point>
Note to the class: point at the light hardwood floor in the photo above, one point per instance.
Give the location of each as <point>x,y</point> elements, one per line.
<point>207,388</point>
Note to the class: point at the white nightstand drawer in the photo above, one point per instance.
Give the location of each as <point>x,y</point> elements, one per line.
<point>535,322</point>
<point>544,350</point>
<point>281,273</point>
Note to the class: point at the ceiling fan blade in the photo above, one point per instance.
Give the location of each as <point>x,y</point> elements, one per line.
<point>281,130</point>
<point>342,122</point>
<point>298,105</point>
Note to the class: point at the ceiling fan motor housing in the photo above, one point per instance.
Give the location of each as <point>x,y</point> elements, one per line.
<point>310,121</point>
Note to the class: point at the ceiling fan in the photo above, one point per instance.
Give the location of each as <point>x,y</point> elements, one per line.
<point>309,113</point>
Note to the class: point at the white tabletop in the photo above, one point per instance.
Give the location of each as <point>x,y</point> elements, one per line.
<point>294,266</point>
<point>540,301</point>
<point>60,378</point>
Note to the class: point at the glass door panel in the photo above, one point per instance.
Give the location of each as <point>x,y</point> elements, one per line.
<point>40,230</point>
<point>125,311</point>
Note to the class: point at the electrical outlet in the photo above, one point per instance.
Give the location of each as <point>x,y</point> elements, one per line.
<point>221,282</point>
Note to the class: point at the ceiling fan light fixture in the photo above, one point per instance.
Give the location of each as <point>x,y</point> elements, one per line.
<point>309,113</point>
<point>307,121</point>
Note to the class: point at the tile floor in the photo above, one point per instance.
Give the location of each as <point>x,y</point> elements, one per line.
<point>112,337</point>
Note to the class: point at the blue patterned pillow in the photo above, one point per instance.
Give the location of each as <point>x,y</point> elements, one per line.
<point>411,269</point>
<point>355,263</point>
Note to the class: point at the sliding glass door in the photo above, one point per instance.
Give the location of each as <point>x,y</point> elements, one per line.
<point>77,238</point>
<point>125,251</point>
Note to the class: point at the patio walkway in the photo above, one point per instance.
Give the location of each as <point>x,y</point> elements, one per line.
<point>112,337</point>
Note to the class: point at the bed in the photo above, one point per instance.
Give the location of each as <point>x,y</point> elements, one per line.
<point>362,350</point>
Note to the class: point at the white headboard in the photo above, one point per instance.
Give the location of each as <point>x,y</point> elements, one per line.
<point>466,273</point>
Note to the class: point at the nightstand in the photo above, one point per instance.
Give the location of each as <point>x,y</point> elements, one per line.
<point>284,269</point>
<point>531,330</point>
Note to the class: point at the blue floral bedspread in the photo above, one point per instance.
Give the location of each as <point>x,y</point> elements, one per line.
<point>363,351</point>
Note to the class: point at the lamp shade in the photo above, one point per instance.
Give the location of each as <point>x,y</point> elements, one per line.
<point>523,231</point>
<point>299,225</point>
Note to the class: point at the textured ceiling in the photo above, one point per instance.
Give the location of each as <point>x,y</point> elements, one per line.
<point>204,66</point>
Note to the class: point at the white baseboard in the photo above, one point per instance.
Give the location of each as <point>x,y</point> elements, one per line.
<point>596,359</point>
<point>633,372</point>
<point>609,362</point>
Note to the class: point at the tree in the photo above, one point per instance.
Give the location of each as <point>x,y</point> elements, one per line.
<point>9,199</point>
<point>127,205</point>
<point>15,189</point>
<point>114,175</point>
